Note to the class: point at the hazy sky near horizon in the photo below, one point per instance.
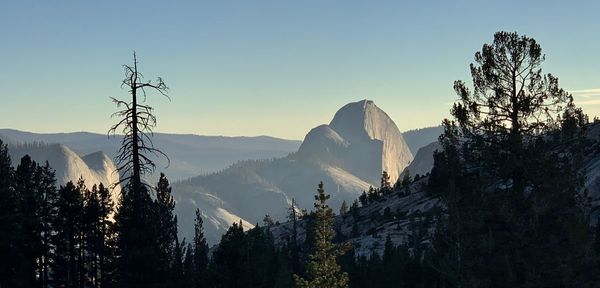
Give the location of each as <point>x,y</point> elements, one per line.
<point>274,68</point>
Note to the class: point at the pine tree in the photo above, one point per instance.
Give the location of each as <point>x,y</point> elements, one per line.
<point>261,258</point>
<point>136,123</point>
<point>386,186</point>
<point>9,222</point>
<point>344,209</point>
<point>177,277</point>
<point>200,254</point>
<point>227,264</point>
<point>510,177</point>
<point>363,198</point>
<point>47,197</point>
<point>293,246</point>
<point>268,221</point>
<point>30,245</point>
<point>188,267</point>
<point>323,270</point>
<point>138,250</point>
<point>406,180</point>
<point>68,241</point>
<point>165,223</point>
<point>354,210</point>
<point>98,231</point>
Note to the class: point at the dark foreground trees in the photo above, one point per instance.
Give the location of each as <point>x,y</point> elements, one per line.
<point>510,175</point>
<point>52,237</point>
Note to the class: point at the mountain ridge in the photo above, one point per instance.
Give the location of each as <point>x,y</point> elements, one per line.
<point>348,155</point>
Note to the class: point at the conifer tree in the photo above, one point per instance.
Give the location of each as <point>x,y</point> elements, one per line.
<point>166,231</point>
<point>354,210</point>
<point>386,186</point>
<point>344,209</point>
<point>322,269</point>
<point>268,220</point>
<point>98,230</point>
<point>227,265</point>
<point>199,256</point>
<point>9,222</point>
<point>30,245</point>
<point>47,198</point>
<point>188,267</point>
<point>406,180</point>
<point>68,238</point>
<point>138,249</point>
<point>509,176</point>
<point>363,198</point>
<point>293,246</point>
<point>136,122</point>
<point>177,277</point>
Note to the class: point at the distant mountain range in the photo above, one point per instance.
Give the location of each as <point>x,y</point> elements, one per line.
<point>244,178</point>
<point>190,155</point>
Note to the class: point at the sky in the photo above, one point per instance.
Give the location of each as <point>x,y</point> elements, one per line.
<point>278,68</point>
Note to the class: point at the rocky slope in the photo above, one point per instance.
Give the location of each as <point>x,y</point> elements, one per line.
<point>400,216</point>
<point>397,216</point>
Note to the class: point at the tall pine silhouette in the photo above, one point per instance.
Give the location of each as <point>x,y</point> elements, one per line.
<point>138,250</point>
<point>510,175</point>
<point>322,269</point>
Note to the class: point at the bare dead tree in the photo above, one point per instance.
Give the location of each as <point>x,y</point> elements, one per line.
<point>136,123</point>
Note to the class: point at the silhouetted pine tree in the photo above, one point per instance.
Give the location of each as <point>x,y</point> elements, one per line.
<point>68,261</point>
<point>177,277</point>
<point>10,232</point>
<point>344,209</point>
<point>188,267</point>
<point>138,250</point>
<point>516,213</point>
<point>199,264</point>
<point>30,246</point>
<point>386,185</point>
<point>405,184</point>
<point>293,245</point>
<point>166,232</point>
<point>227,265</point>
<point>136,123</point>
<point>47,198</point>
<point>322,269</point>
<point>99,237</point>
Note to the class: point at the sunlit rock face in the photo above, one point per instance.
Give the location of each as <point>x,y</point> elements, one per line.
<point>348,155</point>
<point>361,139</point>
<point>94,168</point>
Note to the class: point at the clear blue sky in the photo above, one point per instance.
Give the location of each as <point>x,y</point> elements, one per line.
<point>271,67</point>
